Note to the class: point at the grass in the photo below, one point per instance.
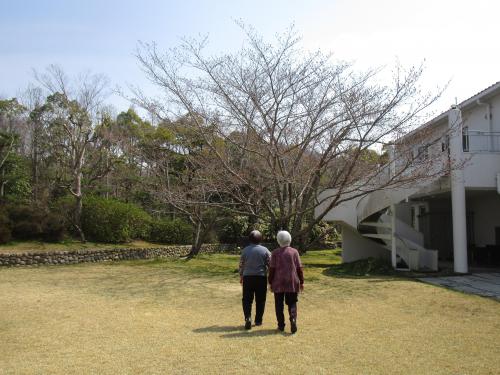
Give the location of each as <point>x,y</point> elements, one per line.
<point>316,262</point>
<point>184,317</point>
<point>69,245</point>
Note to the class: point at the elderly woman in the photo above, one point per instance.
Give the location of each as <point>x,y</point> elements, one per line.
<point>286,279</point>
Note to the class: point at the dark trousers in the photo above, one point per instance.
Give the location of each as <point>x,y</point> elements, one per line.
<point>291,301</point>
<point>254,286</point>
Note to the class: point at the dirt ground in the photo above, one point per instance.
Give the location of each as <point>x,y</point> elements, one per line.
<point>158,318</point>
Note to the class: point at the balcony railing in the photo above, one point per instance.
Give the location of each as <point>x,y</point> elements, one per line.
<point>479,141</point>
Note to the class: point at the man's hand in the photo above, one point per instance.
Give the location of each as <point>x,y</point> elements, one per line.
<point>241,280</point>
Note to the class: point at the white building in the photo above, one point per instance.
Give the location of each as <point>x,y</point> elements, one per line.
<point>456,216</point>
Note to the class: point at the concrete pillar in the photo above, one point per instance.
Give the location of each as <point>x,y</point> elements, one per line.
<point>459,213</point>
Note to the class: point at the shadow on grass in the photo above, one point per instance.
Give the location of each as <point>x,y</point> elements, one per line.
<point>239,331</point>
<point>254,333</point>
<point>216,329</point>
<point>376,270</point>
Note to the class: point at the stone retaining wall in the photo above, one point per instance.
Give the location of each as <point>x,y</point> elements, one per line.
<point>103,255</point>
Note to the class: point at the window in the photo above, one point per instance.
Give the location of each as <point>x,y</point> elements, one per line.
<point>418,211</point>
<point>445,145</point>
<point>465,138</point>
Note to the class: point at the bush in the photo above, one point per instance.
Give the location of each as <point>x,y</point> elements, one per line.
<point>26,222</point>
<point>26,230</point>
<point>171,232</point>
<point>233,229</point>
<point>324,234</point>
<point>109,220</point>
<point>5,230</point>
<point>54,228</point>
<point>30,223</point>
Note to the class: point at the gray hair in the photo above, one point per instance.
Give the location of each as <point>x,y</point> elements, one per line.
<point>255,237</point>
<point>284,238</point>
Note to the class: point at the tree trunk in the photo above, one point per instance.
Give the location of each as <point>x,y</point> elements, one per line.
<point>197,241</point>
<point>299,236</point>
<point>300,242</point>
<point>2,186</point>
<point>78,218</point>
<point>79,205</point>
<point>35,171</point>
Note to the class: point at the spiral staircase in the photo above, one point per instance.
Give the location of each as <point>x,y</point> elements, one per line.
<point>378,222</point>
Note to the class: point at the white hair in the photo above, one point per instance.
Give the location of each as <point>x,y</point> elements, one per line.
<point>284,238</point>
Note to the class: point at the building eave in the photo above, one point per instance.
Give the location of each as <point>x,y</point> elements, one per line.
<point>464,105</point>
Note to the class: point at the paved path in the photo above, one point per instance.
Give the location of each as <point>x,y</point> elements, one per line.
<point>483,284</point>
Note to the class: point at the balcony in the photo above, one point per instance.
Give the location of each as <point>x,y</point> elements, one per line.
<point>479,141</point>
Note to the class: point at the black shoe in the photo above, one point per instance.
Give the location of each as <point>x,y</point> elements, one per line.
<point>257,324</point>
<point>248,324</point>
<point>281,328</point>
<point>293,326</point>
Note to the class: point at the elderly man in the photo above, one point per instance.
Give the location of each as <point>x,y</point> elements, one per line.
<point>286,279</point>
<point>254,263</point>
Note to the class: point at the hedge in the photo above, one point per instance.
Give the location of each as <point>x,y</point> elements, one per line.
<point>112,221</point>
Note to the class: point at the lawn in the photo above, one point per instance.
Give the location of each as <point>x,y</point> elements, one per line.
<point>184,317</point>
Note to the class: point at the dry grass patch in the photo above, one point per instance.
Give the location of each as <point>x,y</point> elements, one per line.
<point>176,317</point>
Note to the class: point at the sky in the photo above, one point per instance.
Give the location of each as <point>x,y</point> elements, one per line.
<point>458,41</point>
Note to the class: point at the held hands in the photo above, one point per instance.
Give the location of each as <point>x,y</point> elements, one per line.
<point>241,280</point>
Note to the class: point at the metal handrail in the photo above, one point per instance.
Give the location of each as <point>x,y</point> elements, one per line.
<point>481,141</point>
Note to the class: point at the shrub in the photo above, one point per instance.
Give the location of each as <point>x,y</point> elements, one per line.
<point>5,230</point>
<point>171,232</point>
<point>26,230</point>
<point>139,222</point>
<point>26,222</point>
<point>65,207</point>
<point>232,229</point>
<point>323,234</point>
<point>109,220</point>
<point>54,228</point>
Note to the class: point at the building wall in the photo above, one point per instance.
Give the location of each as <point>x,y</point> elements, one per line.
<point>403,212</point>
<point>486,210</point>
<point>355,246</point>
<point>495,112</point>
<point>476,119</point>
<point>439,227</point>
<point>481,170</point>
